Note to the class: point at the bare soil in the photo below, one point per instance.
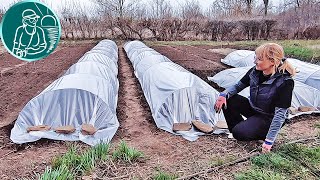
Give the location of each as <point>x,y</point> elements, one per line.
<point>163,151</point>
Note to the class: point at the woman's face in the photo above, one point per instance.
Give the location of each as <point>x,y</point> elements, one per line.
<point>263,64</point>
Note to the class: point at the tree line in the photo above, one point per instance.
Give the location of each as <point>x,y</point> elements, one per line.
<point>159,20</point>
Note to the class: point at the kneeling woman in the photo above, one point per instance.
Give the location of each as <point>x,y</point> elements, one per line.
<point>271,89</point>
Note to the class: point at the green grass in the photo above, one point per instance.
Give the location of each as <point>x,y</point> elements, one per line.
<point>285,163</point>
<point>70,159</point>
<point>301,52</point>
<point>126,153</point>
<point>274,162</point>
<point>74,163</point>
<point>307,50</point>
<point>160,175</point>
<point>305,154</point>
<point>86,162</point>
<point>61,173</point>
<point>259,174</point>
<point>80,163</point>
<point>178,43</point>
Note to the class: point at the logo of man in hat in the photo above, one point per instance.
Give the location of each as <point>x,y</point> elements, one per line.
<point>29,38</point>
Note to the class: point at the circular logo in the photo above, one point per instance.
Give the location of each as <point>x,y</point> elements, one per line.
<point>30,30</point>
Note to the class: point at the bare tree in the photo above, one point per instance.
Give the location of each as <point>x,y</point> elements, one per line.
<point>137,27</point>
<point>226,8</point>
<point>83,22</point>
<point>251,27</point>
<point>95,27</point>
<point>312,32</point>
<point>160,9</point>
<point>269,24</point>
<point>219,30</point>
<point>129,19</point>
<point>249,6</point>
<point>137,11</point>
<point>108,26</point>
<point>297,15</point>
<point>118,8</point>
<point>265,2</point>
<point>154,25</point>
<point>211,29</point>
<point>191,10</point>
<point>68,19</point>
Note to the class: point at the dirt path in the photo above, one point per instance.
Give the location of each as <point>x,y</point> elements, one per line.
<point>136,124</point>
<point>134,115</point>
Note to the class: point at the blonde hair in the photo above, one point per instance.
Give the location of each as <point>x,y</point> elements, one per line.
<point>274,52</point>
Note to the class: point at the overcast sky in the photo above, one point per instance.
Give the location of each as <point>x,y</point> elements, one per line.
<point>56,3</point>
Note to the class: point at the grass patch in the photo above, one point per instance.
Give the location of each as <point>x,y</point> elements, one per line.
<point>160,175</point>
<point>75,164</point>
<point>70,159</point>
<point>274,162</point>
<point>80,164</point>
<point>86,162</point>
<point>285,163</point>
<point>126,153</point>
<point>179,43</point>
<point>300,49</point>
<point>310,156</point>
<point>317,126</point>
<point>61,173</point>
<point>301,52</point>
<point>260,174</point>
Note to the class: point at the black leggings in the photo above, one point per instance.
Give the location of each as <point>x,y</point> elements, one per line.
<point>255,127</point>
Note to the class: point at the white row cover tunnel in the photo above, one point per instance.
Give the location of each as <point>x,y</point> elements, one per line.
<point>306,91</point>
<point>174,94</point>
<point>86,94</point>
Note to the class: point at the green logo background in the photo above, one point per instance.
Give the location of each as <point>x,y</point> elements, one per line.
<point>32,42</point>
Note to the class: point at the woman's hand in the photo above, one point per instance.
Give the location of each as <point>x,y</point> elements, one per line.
<point>221,101</point>
<point>266,146</point>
